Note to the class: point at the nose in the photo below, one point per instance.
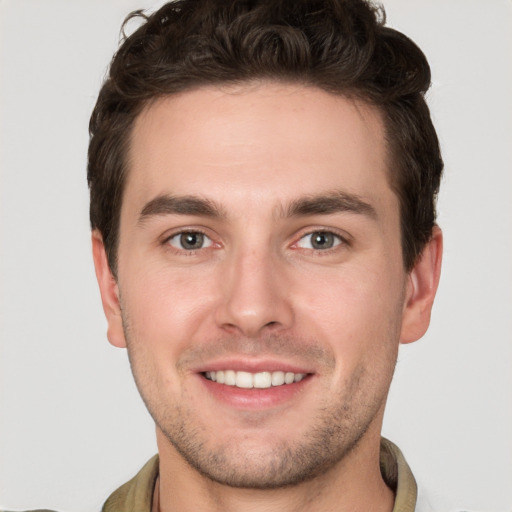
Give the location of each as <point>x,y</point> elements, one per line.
<point>254,295</point>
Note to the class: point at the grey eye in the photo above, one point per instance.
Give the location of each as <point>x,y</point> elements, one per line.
<point>319,240</point>
<point>190,241</point>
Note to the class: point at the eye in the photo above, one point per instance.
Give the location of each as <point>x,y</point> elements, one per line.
<point>190,241</point>
<point>319,240</point>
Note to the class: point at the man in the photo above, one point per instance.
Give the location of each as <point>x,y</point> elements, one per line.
<point>263,179</point>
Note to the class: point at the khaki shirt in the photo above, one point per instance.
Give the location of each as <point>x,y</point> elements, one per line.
<point>137,494</point>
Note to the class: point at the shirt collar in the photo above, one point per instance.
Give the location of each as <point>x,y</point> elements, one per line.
<point>398,476</point>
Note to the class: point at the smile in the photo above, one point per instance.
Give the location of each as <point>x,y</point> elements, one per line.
<point>260,380</point>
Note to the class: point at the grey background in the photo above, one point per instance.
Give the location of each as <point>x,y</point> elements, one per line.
<point>72,426</point>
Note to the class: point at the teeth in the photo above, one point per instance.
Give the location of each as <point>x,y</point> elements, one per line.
<point>230,377</point>
<point>244,380</point>
<point>260,380</point>
<point>277,378</point>
<point>289,378</point>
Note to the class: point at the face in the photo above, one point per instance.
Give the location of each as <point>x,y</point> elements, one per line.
<point>261,291</point>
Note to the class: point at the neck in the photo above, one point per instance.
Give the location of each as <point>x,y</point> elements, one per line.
<point>355,484</point>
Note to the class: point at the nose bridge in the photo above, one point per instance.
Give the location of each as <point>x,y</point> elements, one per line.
<point>254,296</point>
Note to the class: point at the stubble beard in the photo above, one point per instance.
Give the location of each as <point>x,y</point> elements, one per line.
<point>337,429</point>
<point>339,425</point>
<point>286,463</point>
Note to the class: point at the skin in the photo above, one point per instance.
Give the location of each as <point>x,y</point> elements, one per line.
<point>261,162</point>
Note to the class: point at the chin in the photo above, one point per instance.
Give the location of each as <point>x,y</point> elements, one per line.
<point>263,463</point>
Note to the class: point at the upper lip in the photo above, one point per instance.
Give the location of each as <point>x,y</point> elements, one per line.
<point>253,366</point>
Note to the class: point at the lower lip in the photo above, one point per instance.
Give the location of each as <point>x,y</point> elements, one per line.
<point>254,398</point>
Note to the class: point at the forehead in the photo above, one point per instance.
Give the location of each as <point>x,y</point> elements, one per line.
<point>257,142</point>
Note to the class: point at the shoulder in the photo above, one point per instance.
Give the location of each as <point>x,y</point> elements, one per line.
<point>136,495</point>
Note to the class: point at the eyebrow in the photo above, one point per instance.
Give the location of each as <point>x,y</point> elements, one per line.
<point>325,204</point>
<point>180,205</point>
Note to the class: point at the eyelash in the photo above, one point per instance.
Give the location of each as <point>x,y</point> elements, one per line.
<point>340,240</point>
<point>181,250</point>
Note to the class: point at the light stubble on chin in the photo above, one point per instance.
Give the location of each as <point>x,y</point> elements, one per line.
<point>338,425</point>
<point>334,435</point>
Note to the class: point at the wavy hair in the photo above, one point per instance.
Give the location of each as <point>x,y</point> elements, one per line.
<point>340,46</point>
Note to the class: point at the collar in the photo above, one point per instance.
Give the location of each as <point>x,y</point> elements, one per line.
<point>398,476</point>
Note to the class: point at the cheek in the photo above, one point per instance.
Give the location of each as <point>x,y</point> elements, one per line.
<point>356,310</point>
<point>166,307</point>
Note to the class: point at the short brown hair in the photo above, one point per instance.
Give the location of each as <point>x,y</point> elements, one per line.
<point>340,46</point>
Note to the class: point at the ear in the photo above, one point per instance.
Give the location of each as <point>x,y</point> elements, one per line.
<point>421,289</point>
<point>109,292</point>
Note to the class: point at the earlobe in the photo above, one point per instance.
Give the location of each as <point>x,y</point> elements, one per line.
<point>422,286</point>
<point>109,292</point>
